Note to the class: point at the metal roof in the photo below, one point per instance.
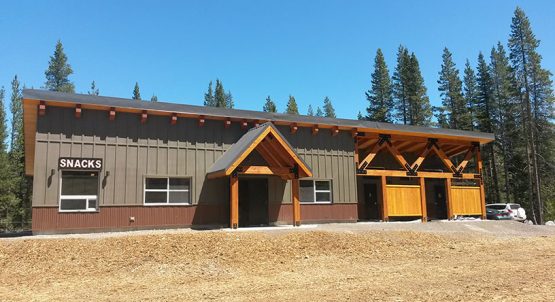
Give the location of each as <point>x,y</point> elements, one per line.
<point>238,149</point>
<point>86,99</point>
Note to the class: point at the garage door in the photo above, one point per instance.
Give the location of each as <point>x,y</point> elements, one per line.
<point>466,200</point>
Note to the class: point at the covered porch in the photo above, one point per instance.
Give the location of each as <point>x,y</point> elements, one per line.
<point>408,175</point>
<point>262,151</point>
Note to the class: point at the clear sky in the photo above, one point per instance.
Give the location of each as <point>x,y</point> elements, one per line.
<point>309,49</point>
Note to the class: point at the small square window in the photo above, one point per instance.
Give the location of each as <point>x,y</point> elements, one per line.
<point>167,190</point>
<point>315,191</point>
<point>78,191</point>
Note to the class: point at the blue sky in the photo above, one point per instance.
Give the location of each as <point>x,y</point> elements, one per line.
<point>310,49</point>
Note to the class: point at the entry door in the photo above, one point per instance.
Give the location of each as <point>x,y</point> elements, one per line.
<point>253,201</point>
<point>371,205</point>
<point>440,201</point>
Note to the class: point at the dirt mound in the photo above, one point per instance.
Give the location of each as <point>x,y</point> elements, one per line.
<point>300,266</point>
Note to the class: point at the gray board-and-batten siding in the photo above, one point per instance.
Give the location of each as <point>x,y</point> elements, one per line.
<point>132,150</point>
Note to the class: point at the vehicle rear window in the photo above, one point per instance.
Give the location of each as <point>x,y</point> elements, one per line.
<point>496,206</point>
<point>515,206</point>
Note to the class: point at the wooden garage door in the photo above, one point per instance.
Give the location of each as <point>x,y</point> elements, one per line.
<point>403,200</point>
<point>466,200</point>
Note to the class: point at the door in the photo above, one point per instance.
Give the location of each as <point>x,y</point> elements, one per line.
<point>253,201</point>
<point>371,205</point>
<point>440,202</point>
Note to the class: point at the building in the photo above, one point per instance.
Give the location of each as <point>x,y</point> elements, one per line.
<point>102,163</point>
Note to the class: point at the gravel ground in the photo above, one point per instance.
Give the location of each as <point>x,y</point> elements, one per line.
<point>439,261</point>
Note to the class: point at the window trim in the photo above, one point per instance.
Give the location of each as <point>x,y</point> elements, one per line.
<point>167,191</point>
<point>330,191</point>
<point>86,197</point>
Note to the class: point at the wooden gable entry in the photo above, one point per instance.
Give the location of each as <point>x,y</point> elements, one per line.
<point>281,160</point>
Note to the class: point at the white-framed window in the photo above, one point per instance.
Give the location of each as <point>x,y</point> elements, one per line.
<point>78,191</point>
<point>315,191</point>
<point>167,190</point>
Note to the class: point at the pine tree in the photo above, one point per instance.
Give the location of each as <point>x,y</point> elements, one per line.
<point>58,72</point>
<point>94,90</point>
<point>229,100</point>
<point>379,96</point>
<point>329,111</point>
<point>269,106</point>
<point>209,96</point>
<point>505,118</point>
<point>399,86</point>
<point>292,106</point>
<point>419,108</point>
<point>470,95</point>
<point>441,116</point>
<point>534,88</point>
<point>319,112</point>
<point>8,201</point>
<point>22,185</point>
<point>136,92</point>
<point>450,87</point>
<point>484,109</point>
<point>219,95</point>
<point>310,111</point>
<point>154,98</point>
<point>360,117</point>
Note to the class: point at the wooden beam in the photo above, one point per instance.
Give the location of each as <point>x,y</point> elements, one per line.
<point>398,156</point>
<point>144,116</point>
<point>418,162</point>
<point>42,108</point>
<point>268,156</point>
<point>354,132</point>
<point>234,202</point>
<point>201,121</point>
<point>400,145</point>
<point>296,202</point>
<point>384,213</point>
<point>482,191</point>
<point>444,158</point>
<point>356,152</point>
<point>423,199</point>
<point>448,198</point>
<point>112,114</point>
<point>315,129</point>
<point>334,131</point>
<point>264,170</point>
<point>278,150</point>
<point>227,123</point>
<point>467,157</point>
<point>367,143</point>
<point>399,173</point>
<point>78,111</point>
<point>370,156</point>
<point>173,119</point>
<point>294,128</point>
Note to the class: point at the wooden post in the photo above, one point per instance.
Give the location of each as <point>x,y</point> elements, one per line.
<point>448,198</point>
<point>423,199</point>
<point>295,202</point>
<point>234,202</point>
<point>385,216</point>
<point>482,191</point>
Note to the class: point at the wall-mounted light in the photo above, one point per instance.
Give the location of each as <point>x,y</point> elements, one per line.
<point>107,173</point>
<point>52,172</point>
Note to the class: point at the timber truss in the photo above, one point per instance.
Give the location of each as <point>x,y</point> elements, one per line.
<point>385,142</point>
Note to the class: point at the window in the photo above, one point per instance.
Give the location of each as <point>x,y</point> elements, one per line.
<point>167,190</point>
<point>315,191</point>
<point>78,191</point>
